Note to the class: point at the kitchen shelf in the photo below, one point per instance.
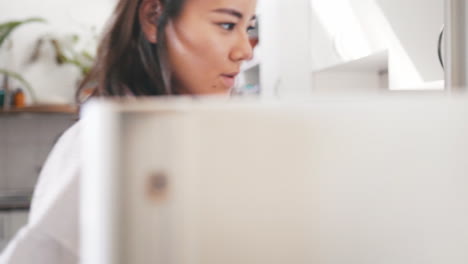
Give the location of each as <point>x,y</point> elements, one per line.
<point>58,109</point>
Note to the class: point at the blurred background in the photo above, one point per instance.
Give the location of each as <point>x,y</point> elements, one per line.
<point>302,48</point>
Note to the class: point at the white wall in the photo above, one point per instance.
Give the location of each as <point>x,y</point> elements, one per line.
<point>343,30</point>
<point>268,12</point>
<point>417,23</point>
<point>285,41</point>
<point>52,84</point>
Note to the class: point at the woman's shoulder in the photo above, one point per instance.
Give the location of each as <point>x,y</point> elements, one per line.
<point>61,168</point>
<point>68,140</point>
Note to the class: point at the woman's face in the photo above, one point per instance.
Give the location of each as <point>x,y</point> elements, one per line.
<point>207,43</point>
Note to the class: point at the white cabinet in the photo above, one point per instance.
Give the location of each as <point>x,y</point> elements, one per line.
<point>10,223</point>
<point>367,75</point>
<point>25,142</point>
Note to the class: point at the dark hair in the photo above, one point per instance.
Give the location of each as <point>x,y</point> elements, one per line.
<point>126,62</point>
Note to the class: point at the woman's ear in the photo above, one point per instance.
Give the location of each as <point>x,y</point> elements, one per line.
<point>149,13</point>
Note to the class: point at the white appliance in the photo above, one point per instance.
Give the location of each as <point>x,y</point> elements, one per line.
<point>374,180</point>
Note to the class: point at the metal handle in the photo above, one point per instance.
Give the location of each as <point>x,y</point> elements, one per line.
<point>439,47</point>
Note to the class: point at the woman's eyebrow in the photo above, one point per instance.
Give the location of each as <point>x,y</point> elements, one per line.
<point>232,12</point>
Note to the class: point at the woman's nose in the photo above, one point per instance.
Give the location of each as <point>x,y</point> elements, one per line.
<point>242,49</point>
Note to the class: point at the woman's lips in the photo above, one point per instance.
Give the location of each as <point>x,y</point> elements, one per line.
<point>229,79</point>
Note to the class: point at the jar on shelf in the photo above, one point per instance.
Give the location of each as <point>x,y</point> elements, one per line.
<point>19,99</point>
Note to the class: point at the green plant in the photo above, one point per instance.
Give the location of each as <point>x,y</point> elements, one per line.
<point>72,55</point>
<point>20,79</point>
<point>73,49</point>
<point>5,30</point>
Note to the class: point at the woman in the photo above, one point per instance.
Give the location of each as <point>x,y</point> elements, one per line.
<point>152,47</point>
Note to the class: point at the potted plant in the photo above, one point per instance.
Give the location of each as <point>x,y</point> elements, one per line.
<point>5,30</point>
<point>72,49</point>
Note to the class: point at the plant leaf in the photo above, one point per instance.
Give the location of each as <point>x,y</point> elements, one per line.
<point>8,27</point>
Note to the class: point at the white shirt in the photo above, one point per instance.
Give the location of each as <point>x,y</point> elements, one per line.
<point>51,234</point>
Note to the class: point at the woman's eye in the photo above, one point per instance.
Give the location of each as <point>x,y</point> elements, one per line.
<point>251,29</point>
<point>227,26</point>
